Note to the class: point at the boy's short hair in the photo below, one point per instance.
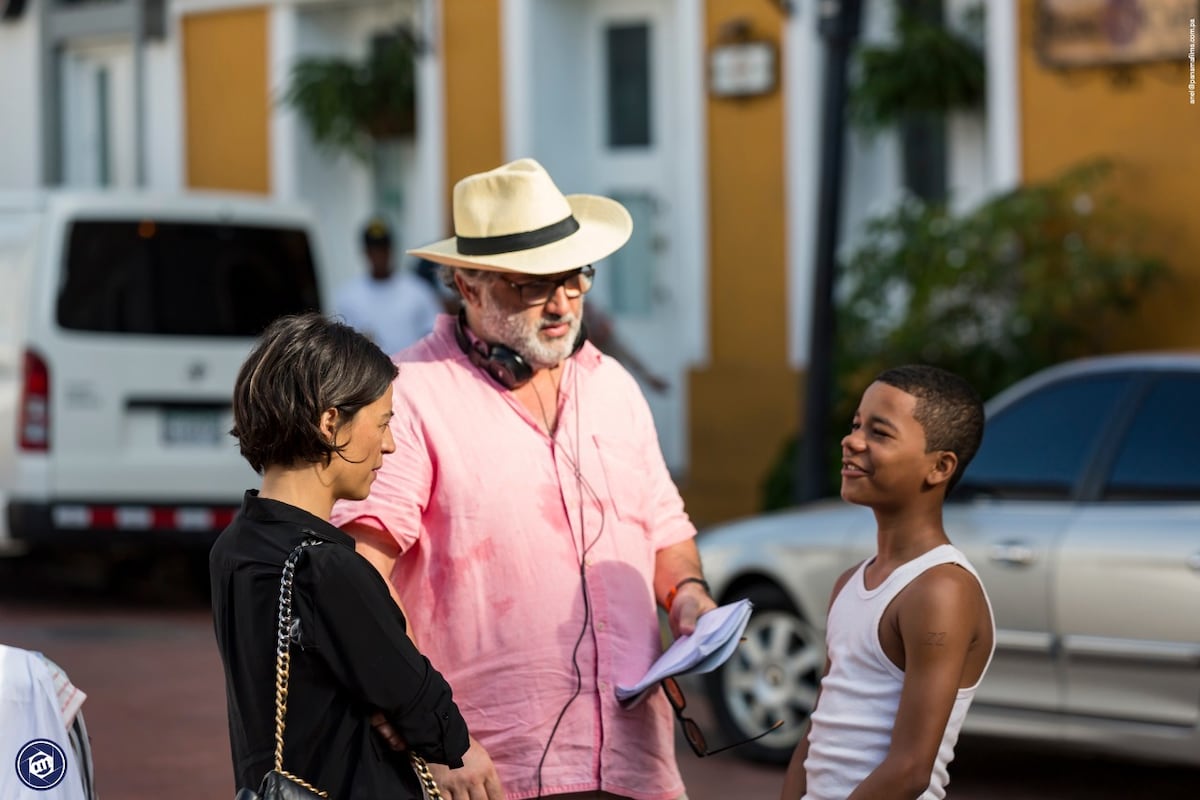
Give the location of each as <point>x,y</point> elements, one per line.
<point>301,366</point>
<point>948,408</point>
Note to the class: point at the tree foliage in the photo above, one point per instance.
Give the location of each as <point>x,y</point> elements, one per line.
<point>1039,275</point>
<point>926,69</point>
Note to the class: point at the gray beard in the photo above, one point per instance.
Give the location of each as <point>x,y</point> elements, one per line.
<point>520,333</point>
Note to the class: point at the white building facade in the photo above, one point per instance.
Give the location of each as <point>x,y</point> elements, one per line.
<point>613,96</point>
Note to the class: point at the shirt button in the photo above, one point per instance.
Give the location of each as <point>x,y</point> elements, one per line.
<point>603,686</point>
<point>587,561</point>
<point>600,625</point>
<point>445,715</point>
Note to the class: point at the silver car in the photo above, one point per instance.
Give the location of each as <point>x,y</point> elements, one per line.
<point>1081,513</point>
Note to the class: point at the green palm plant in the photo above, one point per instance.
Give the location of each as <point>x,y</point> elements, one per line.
<point>348,105</point>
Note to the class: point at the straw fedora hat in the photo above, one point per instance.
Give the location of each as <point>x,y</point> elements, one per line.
<point>514,219</point>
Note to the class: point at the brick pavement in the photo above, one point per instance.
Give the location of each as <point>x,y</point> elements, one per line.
<point>156,708</point>
<point>156,704</point>
<point>156,699</point>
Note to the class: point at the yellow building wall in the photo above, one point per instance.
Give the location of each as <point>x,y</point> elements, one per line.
<point>1147,125</point>
<point>474,88</point>
<point>227,102</point>
<point>744,403</point>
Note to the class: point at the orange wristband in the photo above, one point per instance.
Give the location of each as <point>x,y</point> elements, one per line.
<point>675,590</point>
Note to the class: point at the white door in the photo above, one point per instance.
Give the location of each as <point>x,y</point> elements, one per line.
<point>632,87</point>
<point>99,143</point>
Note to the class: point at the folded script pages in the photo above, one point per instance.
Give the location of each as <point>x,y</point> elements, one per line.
<point>708,647</point>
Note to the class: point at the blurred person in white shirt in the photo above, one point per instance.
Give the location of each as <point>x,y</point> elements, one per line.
<point>393,307</point>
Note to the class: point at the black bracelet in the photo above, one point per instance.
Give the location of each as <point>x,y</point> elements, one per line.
<point>675,589</point>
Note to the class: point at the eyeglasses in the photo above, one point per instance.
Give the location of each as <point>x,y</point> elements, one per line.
<point>539,292</point>
<point>691,731</point>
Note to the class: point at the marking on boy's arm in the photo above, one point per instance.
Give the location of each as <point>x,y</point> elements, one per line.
<point>935,638</point>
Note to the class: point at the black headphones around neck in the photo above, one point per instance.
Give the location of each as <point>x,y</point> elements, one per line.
<point>503,364</point>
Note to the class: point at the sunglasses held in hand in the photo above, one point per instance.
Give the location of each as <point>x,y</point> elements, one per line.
<point>692,732</point>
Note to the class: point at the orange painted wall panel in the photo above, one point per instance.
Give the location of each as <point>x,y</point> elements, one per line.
<point>744,403</point>
<point>227,101</point>
<point>1140,117</point>
<point>747,217</point>
<point>474,88</point>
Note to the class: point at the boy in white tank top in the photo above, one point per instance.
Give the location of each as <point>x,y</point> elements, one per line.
<point>910,631</point>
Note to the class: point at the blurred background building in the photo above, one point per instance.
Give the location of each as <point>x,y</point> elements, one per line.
<point>703,116</point>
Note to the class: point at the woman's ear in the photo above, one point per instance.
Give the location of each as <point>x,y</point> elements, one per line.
<point>329,425</point>
<point>943,469</point>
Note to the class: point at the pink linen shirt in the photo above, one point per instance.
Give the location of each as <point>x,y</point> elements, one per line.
<point>501,526</point>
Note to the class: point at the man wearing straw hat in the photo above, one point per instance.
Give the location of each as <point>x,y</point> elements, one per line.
<point>527,520</point>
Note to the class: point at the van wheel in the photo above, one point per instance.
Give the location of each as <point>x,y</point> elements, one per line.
<point>773,675</point>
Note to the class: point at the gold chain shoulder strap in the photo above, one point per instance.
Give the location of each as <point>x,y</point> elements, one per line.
<point>428,784</point>
<point>283,661</point>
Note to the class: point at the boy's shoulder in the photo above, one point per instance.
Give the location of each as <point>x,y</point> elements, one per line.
<point>947,596</point>
<point>944,583</point>
<point>938,582</point>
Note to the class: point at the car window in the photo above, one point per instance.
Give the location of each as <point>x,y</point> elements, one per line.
<point>1039,446</point>
<point>1160,455</point>
<point>183,279</point>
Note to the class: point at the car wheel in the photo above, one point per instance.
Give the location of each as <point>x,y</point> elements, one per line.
<point>773,675</point>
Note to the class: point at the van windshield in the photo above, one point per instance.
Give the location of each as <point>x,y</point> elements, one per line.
<point>184,278</point>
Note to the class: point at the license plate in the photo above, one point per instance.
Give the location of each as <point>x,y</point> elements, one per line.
<point>191,427</point>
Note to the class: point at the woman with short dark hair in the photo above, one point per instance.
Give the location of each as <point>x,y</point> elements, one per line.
<point>311,408</point>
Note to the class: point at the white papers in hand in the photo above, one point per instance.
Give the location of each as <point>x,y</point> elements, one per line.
<point>708,647</point>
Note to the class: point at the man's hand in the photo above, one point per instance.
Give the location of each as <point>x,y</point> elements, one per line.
<point>690,602</point>
<point>476,779</point>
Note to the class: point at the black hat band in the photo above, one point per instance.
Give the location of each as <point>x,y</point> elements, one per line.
<point>512,242</point>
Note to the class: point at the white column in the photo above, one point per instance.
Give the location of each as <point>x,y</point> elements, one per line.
<point>1003,98</point>
<point>283,34</point>
<point>516,51</point>
<point>802,70</point>
<point>692,153</point>
<point>428,215</point>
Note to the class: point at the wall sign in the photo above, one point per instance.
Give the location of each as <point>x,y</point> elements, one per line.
<point>742,69</point>
<point>1082,33</point>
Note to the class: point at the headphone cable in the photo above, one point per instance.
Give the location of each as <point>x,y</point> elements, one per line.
<point>585,548</point>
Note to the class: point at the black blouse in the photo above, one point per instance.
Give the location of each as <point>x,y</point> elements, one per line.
<point>353,657</point>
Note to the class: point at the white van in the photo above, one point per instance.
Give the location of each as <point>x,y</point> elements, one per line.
<point>123,320</point>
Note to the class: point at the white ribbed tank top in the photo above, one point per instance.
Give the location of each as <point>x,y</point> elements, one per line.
<point>852,724</point>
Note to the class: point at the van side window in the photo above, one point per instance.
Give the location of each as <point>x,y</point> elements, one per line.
<point>183,278</point>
